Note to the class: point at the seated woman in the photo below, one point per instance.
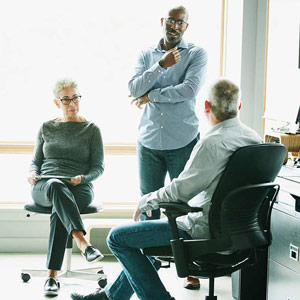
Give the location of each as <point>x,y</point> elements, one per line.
<point>66,146</point>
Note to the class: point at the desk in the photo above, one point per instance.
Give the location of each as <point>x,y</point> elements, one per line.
<point>276,276</point>
<point>283,262</point>
<point>290,141</point>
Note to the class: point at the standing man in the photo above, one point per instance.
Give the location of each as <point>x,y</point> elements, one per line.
<point>200,176</point>
<point>167,80</point>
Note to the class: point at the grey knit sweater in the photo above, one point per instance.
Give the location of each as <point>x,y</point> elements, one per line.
<point>69,149</point>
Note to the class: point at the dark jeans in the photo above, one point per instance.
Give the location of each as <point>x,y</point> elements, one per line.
<point>139,274</point>
<point>66,201</point>
<point>154,166</point>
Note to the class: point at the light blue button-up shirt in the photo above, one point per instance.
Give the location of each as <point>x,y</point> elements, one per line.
<point>169,120</point>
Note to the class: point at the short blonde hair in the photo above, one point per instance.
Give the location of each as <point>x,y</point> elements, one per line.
<point>224,99</point>
<point>63,83</point>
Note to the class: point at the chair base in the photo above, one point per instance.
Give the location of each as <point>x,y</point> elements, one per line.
<point>211,298</point>
<point>87,274</point>
<point>95,273</point>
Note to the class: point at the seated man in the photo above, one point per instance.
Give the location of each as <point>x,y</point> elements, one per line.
<point>199,177</point>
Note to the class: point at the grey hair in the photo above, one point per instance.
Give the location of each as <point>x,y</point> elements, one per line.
<point>63,83</point>
<point>224,99</point>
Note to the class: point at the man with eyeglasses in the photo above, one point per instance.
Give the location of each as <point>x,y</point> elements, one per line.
<point>200,177</point>
<point>167,80</point>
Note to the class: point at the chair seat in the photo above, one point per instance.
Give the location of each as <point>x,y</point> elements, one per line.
<point>208,264</point>
<point>33,207</point>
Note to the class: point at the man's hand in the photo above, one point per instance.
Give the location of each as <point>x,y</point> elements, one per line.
<point>170,58</point>
<point>140,101</point>
<point>137,214</point>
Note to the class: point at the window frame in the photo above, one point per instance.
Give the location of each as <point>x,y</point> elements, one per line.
<point>118,148</point>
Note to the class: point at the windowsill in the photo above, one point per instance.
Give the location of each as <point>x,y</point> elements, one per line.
<point>26,147</point>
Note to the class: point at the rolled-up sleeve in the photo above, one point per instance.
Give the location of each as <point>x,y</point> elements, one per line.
<point>144,79</point>
<point>189,87</point>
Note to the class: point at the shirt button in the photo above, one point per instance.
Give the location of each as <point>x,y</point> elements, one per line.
<point>169,99</point>
<point>161,126</point>
<point>154,100</point>
<point>164,76</point>
<point>149,80</point>
<point>161,114</point>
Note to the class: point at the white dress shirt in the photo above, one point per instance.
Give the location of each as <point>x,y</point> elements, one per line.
<point>202,173</point>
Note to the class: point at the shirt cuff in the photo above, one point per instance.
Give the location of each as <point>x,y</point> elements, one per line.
<point>143,203</point>
<point>157,69</point>
<point>83,179</point>
<point>149,202</point>
<point>153,96</point>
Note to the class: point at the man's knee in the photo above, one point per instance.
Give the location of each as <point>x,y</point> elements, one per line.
<point>112,236</point>
<point>116,235</point>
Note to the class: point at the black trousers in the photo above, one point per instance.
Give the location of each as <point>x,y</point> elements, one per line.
<point>66,201</point>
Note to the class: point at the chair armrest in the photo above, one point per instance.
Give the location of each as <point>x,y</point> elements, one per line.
<point>174,210</point>
<point>178,209</point>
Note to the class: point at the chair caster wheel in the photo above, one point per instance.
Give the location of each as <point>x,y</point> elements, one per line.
<point>100,272</point>
<point>102,283</point>
<point>25,277</point>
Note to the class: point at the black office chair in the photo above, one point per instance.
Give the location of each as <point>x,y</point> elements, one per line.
<point>239,218</point>
<point>88,273</point>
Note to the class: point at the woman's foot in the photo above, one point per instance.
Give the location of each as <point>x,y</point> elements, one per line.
<point>92,254</point>
<point>51,287</point>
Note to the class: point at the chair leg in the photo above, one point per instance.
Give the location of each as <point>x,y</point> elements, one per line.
<point>211,289</point>
<point>94,273</point>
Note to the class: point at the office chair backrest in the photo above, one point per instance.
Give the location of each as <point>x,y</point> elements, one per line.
<point>249,165</point>
<point>245,215</point>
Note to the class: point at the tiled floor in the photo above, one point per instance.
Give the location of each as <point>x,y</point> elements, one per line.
<point>13,288</point>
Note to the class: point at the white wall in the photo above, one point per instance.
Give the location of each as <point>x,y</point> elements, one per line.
<point>21,234</point>
<point>253,63</point>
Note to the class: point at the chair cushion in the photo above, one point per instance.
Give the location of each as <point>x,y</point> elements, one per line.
<point>33,207</point>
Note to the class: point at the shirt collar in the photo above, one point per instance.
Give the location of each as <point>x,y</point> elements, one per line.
<point>227,123</point>
<point>182,44</point>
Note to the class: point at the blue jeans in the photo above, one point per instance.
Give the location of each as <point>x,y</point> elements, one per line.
<point>139,274</point>
<point>154,166</point>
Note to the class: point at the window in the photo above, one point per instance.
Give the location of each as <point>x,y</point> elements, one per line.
<point>283,75</point>
<point>97,44</point>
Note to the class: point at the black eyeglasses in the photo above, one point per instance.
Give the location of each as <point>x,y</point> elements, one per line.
<point>67,101</point>
<point>173,22</point>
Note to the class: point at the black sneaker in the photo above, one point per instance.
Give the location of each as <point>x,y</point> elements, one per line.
<point>51,287</point>
<point>91,254</point>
